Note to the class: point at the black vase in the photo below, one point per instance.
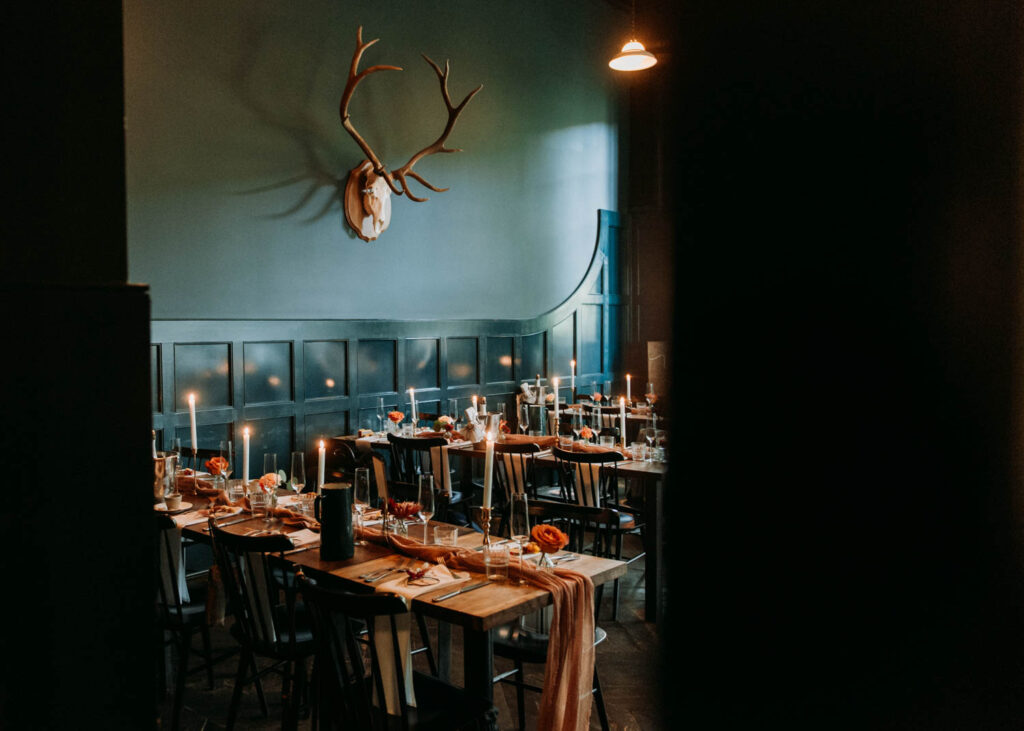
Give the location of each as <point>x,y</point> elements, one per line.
<point>334,511</point>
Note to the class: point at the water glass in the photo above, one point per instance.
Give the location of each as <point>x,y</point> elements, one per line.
<point>446,535</point>
<point>496,559</point>
<point>259,501</point>
<point>236,490</point>
<point>606,441</point>
<point>639,451</point>
<point>565,442</point>
<point>306,501</point>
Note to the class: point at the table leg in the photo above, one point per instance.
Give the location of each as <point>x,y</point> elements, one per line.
<point>653,541</point>
<point>478,662</point>
<point>444,651</point>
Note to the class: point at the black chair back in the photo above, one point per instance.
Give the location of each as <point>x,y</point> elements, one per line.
<point>410,458</point>
<point>346,691</point>
<point>575,521</point>
<point>255,577</point>
<point>588,478</point>
<point>169,570</point>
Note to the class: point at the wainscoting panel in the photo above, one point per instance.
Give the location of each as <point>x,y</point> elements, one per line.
<point>294,382</point>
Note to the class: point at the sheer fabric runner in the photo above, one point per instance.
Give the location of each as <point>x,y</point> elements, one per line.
<point>568,680</point>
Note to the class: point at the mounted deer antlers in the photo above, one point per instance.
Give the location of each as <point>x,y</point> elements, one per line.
<point>370,184</point>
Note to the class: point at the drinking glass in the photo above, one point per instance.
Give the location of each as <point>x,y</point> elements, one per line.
<point>224,451</point>
<point>259,501</point>
<point>297,480</point>
<point>595,393</point>
<point>519,527</point>
<point>648,435</point>
<point>382,415</point>
<point>661,444</point>
<point>577,423</point>
<point>524,417</point>
<point>425,497</point>
<point>236,490</point>
<point>361,496</point>
<point>269,463</point>
<point>496,558</point>
<point>650,396</point>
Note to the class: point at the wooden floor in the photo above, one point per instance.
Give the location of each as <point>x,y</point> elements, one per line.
<point>626,662</point>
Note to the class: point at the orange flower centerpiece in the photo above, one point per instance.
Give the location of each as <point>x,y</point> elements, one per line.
<point>268,483</point>
<point>586,433</point>
<point>395,417</point>
<point>218,466</point>
<point>402,512</point>
<point>445,424</point>
<point>550,540</point>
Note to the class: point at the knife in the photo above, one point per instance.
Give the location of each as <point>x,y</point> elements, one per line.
<point>230,522</point>
<point>450,594</point>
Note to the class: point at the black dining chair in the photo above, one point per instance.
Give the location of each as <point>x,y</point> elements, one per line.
<point>269,622</point>
<point>181,609</point>
<point>348,688</point>
<point>415,456</point>
<point>525,646</point>
<point>515,473</point>
<point>591,479</point>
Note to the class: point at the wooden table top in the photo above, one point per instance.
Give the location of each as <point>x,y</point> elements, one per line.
<point>483,609</point>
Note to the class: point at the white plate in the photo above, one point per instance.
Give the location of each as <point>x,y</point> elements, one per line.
<point>235,510</point>
<point>162,507</point>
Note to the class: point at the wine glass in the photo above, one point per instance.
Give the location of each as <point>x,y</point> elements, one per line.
<point>519,527</point>
<point>649,435</point>
<point>297,480</point>
<point>381,416</point>
<point>269,463</point>
<point>425,497</point>
<point>577,423</point>
<point>361,497</point>
<point>225,453</point>
<point>595,393</point>
<point>524,417</point>
<point>650,396</point>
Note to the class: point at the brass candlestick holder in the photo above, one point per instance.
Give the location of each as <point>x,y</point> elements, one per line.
<point>195,471</point>
<point>485,518</point>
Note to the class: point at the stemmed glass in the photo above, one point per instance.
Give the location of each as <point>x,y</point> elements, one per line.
<point>361,497</point>
<point>425,497</point>
<point>595,393</point>
<point>519,527</point>
<point>649,435</point>
<point>225,453</point>
<point>577,423</point>
<point>297,480</point>
<point>269,463</point>
<point>650,396</point>
<point>381,416</point>
<point>524,417</point>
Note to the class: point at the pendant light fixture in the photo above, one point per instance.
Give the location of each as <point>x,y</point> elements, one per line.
<point>633,56</point>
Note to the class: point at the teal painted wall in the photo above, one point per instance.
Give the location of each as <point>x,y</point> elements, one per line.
<point>235,150</point>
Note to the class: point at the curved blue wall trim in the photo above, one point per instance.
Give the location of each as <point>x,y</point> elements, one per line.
<point>297,381</point>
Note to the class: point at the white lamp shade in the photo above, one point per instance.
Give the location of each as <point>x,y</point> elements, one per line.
<point>633,57</point>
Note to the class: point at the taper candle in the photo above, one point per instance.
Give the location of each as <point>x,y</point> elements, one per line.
<point>629,393</point>
<point>320,467</point>
<point>572,376</point>
<point>412,405</point>
<point>192,420</point>
<point>555,382</point>
<point>245,456</point>
<point>622,414</point>
<point>488,470</point>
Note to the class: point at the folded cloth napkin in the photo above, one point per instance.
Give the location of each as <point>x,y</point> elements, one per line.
<point>542,442</point>
<point>190,518</point>
<point>290,517</point>
<point>598,449</point>
<point>303,537</point>
<point>189,485</point>
<point>436,577</point>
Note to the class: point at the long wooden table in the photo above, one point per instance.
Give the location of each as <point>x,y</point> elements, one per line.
<point>650,474</point>
<point>476,612</point>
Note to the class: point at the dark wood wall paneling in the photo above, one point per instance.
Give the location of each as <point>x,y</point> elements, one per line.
<point>294,382</point>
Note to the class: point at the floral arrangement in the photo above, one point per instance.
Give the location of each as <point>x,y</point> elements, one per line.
<point>598,397</point>
<point>587,433</point>
<point>396,416</point>
<point>268,483</point>
<point>403,510</point>
<point>550,398</point>
<point>444,423</point>
<point>503,427</point>
<point>217,465</point>
<point>549,538</point>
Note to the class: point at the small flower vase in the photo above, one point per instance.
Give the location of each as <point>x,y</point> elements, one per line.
<point>400,528</point>
<point>545,563</point>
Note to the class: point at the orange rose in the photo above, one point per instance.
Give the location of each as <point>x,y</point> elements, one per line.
<point>587,433</point>
<point>396,416</point>
<point>598,397</point>
<point>549,538</point>
<point>217,465</point>
<point>268,482</point>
